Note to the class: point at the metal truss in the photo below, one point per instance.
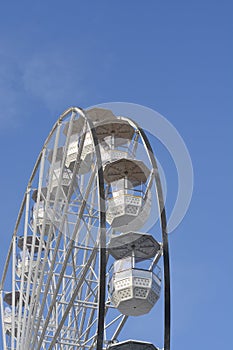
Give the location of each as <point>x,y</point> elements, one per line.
<point>57,262</point>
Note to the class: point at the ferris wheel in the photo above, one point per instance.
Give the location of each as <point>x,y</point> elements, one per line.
<point>81,262</point>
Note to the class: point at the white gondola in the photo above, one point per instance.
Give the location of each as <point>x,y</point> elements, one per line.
<point>55,174</point>
<point>41,215</point>
<point>86,155</point>
<point>111,133</point>
<point>7,319</point>
<point>25,261</point>
<point>111,155</point>
<point>114,139</point>
<point>8,311</point>
<point>96,115</point>
<point>128,201</point>
<point>132,345</point>
<point>114,133</point>
<point>134,289</point>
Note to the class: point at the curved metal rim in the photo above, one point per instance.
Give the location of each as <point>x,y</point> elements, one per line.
<point>102,245</point>
<point>163,221</point>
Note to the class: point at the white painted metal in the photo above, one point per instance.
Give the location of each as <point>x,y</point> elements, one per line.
<point>111,155</point>
<point>126,211</point>
<point>96,115</point>
<point>132,345</point>
<point>55,282</point>
<point>128,208</point>
<point>133,291</point>
<point>86,155</point>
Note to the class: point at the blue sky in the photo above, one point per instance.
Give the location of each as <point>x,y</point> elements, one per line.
<point>172,56</point>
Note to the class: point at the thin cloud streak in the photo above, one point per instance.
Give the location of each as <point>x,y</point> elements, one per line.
<point>54,78</point>
<point>51,80</point>
<point>11,91</point>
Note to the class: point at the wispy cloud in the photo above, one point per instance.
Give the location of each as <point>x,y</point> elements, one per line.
<point>55,78</point>
<point>11,91</point>
<point>50,79</point>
